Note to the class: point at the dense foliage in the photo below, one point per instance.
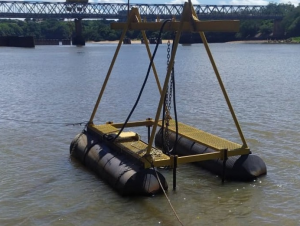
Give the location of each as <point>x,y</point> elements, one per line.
<point>98,30</point>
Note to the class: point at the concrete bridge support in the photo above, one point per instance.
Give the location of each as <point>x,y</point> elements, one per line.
<point>78,37</point>
<point>278,32</point>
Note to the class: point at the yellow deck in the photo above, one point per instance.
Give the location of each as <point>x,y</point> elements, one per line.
<point>136,148</point>
<point>201,137</point>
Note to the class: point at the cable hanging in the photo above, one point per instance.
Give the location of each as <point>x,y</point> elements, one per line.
<point>113,138</point>
<point>167,109</point>
<point>46,123</point>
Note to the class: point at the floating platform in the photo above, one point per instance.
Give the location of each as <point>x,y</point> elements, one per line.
<point>129,164</point>
<point>122,163</point>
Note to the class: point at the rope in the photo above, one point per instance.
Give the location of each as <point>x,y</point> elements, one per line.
<point>46,123</point>
<point>169,201</point>
<point>162,188</point>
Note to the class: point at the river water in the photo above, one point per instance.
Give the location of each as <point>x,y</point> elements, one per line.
<point>44,88</point>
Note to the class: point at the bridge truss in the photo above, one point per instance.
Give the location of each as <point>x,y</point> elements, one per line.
<point>30,9</point>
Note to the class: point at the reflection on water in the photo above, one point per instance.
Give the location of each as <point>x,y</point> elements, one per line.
<point>41,185</point>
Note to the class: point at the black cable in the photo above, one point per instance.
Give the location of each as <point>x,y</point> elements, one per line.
<point>163,125</point>
<point>175,112</point>
<point>163,119</point>
<point>174,103</point>
<point>45,123</point>
<point>144,83</point>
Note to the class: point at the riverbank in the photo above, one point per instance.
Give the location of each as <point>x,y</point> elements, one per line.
<point>117,41</point>
<point>166,41</point>
<point>288,41</point>
<point>249,42</point>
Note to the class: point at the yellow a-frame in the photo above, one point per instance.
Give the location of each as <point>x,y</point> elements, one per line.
<point>144,152</point>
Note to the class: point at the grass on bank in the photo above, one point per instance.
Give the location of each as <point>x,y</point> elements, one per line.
<point>296,39</point>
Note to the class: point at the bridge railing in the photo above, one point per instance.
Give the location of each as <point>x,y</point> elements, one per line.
<point>29,9</point>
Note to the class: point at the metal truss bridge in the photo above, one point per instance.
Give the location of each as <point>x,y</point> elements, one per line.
<point>64,10</point>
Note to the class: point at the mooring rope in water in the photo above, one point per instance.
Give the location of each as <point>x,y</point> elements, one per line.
<point>160,184</point>
<point>162,188</point>
<point>46,123</point>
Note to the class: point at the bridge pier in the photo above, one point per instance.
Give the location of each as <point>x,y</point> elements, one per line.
<point>78,38</point>
<point>278,32</point>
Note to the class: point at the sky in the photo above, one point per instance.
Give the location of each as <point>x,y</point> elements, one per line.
<point>206,2</point>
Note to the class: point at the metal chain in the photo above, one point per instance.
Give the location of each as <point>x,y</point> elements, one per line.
<point>168,101</point>
<point>168,52</point>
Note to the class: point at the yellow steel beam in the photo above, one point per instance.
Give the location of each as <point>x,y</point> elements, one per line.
<point>131,17</point>
<point>134,124</point>
<point>212,26</point>
<point>224,90</point>
<point>134,17</point>
<point>198,158</point>
<point>148,50</point>
<point>195,158</point>
<point>202,35</point>
<point>184,17</point>
<point>242,151</point>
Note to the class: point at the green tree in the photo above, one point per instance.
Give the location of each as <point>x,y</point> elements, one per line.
<point>266,27</point>
<point>248,29</point>
<point>5,30</point>
<point>290,22</point>
<point>33,29</point>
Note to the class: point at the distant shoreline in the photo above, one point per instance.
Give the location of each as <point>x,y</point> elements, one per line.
<point>117,41</point>
<point>231,42</point>
<point>249,42</point>
<point>265,42</point>
<point>166,41</point>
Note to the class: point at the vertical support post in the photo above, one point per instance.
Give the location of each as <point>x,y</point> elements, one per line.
<point>212,61</point>
<point>78,37</point>
<point>128,10</point>
<point>225,157</point>
<point>174,158</point>
<point>223,89</point>
<point>278,32</point>
<point>132,17</point>
<point>150,55</point>
<point>148,133</point>
<point>167,78</point>
<point>109,72</point>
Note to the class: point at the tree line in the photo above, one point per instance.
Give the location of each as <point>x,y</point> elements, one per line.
<point>99,30</point>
